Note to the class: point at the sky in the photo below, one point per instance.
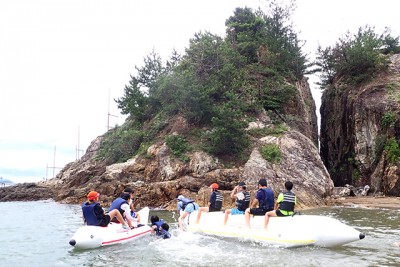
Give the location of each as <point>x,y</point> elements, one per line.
<point>62,62</point>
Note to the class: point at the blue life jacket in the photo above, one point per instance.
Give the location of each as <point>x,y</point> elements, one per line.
<point>116,204</point>
<point>268,202</point>
<point>158,224</point>
<point>164,234</point>
<point>185,202</point>
<point>89,215</point>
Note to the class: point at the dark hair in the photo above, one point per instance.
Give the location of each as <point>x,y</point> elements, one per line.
<point>288,185</point>
<point>125,196</point>
<point>165,226</point>
<point>154,219</point>
<point>262,182</point>
<point>128,190</point>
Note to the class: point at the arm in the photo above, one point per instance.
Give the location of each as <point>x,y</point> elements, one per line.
<point>99,212</point>
<point>212,198</point>
<point>127,214</point>
<point>254,204</point>
<point>279,200</point>
<point>234,192</point>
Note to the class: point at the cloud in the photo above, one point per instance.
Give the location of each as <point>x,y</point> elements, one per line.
<point>63,62</point>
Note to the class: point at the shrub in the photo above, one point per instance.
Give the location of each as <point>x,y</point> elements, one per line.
<point>392,149</point>
<point>271,153</point>
<point>388,119</point>
<point>356,58</point>
<point>120,145</point>
<point>178,145</point>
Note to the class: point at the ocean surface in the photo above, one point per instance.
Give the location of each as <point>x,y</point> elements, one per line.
<point>37,234</point>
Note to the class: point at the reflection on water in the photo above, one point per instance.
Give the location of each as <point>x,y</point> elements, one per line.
<point>42,240</point>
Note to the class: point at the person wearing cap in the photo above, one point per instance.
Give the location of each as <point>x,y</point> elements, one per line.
<point>134,215</point>
<point>215,202</point>
<point>284,205</point>
<point>122,205</point>
<point>93,213</point>
<point>185,207</point>
<point>242,198</point>
<point>264,200</point>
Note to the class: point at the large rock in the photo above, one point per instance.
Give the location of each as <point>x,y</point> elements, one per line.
<point>300,164</point>
<point>354,134</point>
<point>158,177</point>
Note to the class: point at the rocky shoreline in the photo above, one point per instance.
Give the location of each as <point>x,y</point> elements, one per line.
<point>41,191</point>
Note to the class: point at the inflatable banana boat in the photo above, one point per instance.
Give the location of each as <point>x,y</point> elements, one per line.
<point>291,231</point>
<point>87,237</point>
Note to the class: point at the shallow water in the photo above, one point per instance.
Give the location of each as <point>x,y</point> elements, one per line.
<point>41,239</point>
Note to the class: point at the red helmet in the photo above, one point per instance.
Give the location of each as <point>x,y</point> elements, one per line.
<point>92,195</point>
<point>214,186</point>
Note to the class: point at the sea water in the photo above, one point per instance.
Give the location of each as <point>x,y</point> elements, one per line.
<point>37,234</point>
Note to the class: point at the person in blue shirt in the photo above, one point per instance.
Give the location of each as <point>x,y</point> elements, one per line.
<point>263,202</point>
<point>185,207</point>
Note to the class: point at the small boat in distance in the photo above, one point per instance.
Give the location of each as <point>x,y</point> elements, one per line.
<point>88,237</point>
<point>291,231</point>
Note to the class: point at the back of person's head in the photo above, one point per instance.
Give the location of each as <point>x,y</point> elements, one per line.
<point>125,196</point>
<point>214,186</point>
<point>262,182</point>
<point>288,185</point>
<point>128,190</point>
<point>154,219</point>
<point>165,226</point>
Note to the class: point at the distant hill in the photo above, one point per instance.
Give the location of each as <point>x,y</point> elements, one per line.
<point>5,181</point>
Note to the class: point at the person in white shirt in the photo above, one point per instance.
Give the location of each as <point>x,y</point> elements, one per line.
<point>242,198</point>
<point>122,204</point>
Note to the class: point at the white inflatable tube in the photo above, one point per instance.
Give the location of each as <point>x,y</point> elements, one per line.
<point>87,237</point>
<point>291,231</point>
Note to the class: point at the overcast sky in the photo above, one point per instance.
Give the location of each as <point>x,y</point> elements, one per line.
<point>62,62</point>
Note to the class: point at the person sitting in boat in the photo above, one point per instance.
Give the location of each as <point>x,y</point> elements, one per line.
<point>242,198</point>
<point>159,227</point>
<point>185,206</point>
<point>286,202</point>
<point>134,214</point>
<point>122,205</point>
<point>215,202</point>
<point>264,199</point>
<point>93,213</point>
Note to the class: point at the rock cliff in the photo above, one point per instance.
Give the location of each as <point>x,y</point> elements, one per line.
<point>357,123</point>
<point>158,177</point>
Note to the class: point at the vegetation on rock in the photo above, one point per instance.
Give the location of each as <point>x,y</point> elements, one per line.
<point>356,58</point>
<point>219,84</point>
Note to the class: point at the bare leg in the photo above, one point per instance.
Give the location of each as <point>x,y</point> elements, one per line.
<point>116,213</point>
<point>247,217</point>
<point>271,213</point>
<point>227,212</point>
<point>201,209</point>
<point>181,218</point>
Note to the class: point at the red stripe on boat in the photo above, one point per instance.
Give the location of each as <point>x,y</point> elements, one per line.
<point>122,239</point>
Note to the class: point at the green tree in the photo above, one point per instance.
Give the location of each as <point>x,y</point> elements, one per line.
<point>355,58</point>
